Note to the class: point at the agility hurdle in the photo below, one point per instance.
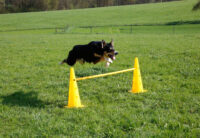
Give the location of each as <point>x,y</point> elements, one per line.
<point>74,98</point>
<point>103,75</point>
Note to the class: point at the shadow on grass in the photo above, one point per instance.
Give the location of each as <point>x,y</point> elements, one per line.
<point>91,71</point>
<point>20,98</point>
<point>183,22</point>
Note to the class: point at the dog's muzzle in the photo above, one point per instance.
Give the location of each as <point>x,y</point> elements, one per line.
<point>112,56</point>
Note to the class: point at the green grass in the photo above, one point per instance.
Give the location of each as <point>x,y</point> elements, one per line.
<point>34,88</point>
<point>134,14</point>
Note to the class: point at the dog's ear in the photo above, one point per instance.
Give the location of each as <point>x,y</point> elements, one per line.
<point>112,42</point>
<point>103,43</point>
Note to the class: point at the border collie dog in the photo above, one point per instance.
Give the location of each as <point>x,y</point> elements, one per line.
<point>93,52</point>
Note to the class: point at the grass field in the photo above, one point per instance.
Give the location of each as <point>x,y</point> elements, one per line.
<point>34,88</point>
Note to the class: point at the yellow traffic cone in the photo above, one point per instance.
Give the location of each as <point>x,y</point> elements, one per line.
<point>137,86</point>
<point>73,98</point>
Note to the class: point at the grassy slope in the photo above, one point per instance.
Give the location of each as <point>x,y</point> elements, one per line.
<point>33,87</point>
<point>138,14</point>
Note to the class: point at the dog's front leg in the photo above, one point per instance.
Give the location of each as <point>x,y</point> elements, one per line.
<point>108,61</point>
<point>107,64</point>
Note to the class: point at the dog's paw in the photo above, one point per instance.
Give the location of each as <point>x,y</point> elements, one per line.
<point>110,60</point>
<point>107,64</point>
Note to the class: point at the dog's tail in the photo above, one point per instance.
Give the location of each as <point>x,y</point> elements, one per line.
<point>71,59</point>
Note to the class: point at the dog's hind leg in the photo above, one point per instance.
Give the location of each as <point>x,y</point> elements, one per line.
<point>81,61</point>
<point>71,59</point>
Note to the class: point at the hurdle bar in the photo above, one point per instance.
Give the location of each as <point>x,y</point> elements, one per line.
<point>105,74</point>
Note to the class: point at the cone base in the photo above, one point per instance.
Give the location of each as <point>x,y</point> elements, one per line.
<point>138,92</point>
<point>80,106</point>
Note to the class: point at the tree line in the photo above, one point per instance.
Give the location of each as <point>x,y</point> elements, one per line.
<point>11,6</point>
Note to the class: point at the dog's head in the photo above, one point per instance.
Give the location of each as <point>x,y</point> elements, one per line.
<point>109,51</point>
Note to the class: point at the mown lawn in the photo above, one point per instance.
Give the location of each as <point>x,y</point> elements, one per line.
<point>34,88</point>
<point>155,13</point>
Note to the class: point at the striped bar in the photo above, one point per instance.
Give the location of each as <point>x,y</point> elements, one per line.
<point>106,74</point>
